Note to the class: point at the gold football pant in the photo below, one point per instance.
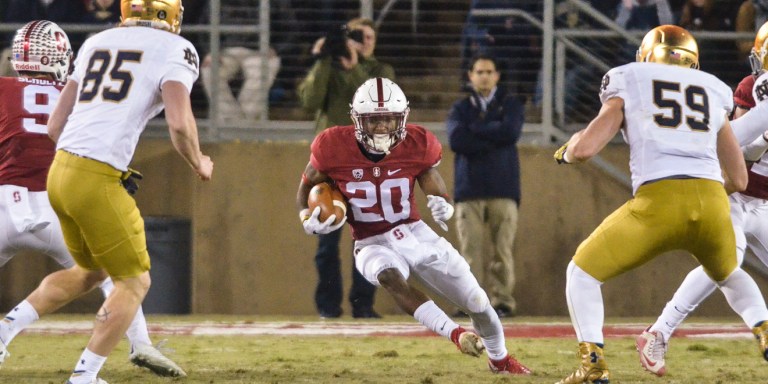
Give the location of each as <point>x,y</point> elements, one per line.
<point>666,215</point>
<point>101,223</point>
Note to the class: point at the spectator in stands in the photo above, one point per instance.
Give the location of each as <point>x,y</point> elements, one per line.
<point>513,41</point>
<point>287,37</point>
<point>642,15</point>
<point>581,79</point>
<point>752,14</point>
<point>607,7</point>
<point>240,57</point>
<point>706,15</point>
<point>716,56</point>
<point>343,64</point>
<point>102,11</point>
<point>483,130</point>
<point>677,8</point>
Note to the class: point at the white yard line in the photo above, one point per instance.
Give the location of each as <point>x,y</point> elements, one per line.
<point>369,329</point>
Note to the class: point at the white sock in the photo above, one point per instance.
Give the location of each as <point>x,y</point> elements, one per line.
<point>432,317</point>
<point>585,304</point>
<point>106,286</point>
<point>16,320</point>
<point>696,287</point>
<point>488,327</point>
<point>87,368</point>
<point>744,297</point>
<point>137,332</point>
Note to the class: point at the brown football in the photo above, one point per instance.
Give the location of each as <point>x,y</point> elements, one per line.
<point>329,199</point>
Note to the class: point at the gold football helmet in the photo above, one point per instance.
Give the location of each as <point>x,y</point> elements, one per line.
<point>669,44</point>
<point>759,57</point>
<point>160,14</point>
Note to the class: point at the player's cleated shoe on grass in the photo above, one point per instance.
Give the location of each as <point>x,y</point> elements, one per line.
<point>593,369</point>
<point>147,356</point>
<point>508,366</point>
<point>761,334</point>
<point>97,380</point>
<point>652,348</point>
<point>467,342</point>
<point>4,354</point>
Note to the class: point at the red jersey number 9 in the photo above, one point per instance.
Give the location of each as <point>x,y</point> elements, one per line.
<point>39,102</point>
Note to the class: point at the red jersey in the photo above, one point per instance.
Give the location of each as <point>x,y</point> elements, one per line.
<point>742,97</point>
<point>380,194</point>
<point>26,151</point>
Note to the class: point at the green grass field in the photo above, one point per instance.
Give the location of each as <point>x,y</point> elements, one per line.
<point>41,357</point>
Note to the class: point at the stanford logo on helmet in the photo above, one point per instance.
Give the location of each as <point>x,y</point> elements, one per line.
<point>41,46</point>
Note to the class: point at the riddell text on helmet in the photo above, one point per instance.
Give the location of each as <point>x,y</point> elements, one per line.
<point>26,67</point>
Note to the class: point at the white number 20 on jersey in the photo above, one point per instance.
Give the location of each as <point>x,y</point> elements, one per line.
<point>393,211</point>
<point>39,100</point>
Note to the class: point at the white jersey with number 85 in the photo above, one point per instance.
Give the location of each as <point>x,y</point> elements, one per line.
<point>120,73</point>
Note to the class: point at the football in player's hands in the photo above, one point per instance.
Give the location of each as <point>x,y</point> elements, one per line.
<point>329,199</point>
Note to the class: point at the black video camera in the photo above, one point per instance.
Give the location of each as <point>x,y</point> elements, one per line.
<point>336,41</point>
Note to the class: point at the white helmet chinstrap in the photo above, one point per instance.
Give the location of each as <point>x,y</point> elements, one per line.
<point>379,111</point>
<point>42,46</point>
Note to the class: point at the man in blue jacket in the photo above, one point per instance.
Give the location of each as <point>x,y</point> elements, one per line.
<point>483,130</point>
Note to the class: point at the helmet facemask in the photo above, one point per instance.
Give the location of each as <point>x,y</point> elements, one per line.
<point>379,111</point>
<point>758,59</point>
<point>41,46</point>
<point>380,132</point>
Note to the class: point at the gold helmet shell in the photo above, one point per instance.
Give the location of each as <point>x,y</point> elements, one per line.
<point>669,44</point>
<point>160,14</point>
<point>759,57</point>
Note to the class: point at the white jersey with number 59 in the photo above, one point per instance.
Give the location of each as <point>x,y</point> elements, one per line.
<point>120,73</point>
<point>672,117</point>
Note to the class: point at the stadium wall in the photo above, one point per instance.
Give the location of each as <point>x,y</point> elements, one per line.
<point>251,256</point>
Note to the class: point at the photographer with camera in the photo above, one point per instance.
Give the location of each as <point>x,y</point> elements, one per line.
<point>240,63</point>
<point>344,62</point>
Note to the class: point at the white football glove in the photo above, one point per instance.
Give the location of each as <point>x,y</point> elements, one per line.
<point>441,210</point>
<point>313,225</point>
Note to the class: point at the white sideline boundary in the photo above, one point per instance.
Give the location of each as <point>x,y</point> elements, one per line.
<point>288,328</point>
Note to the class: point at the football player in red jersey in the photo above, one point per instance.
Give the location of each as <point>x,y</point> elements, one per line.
<point>749,210</point>
<point>376,163</point>
<point>42,56</point>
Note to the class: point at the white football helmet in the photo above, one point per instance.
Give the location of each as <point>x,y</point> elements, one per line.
<point>42,46</point>
<point>376,100</point>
